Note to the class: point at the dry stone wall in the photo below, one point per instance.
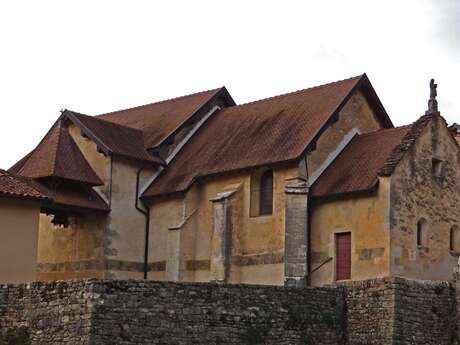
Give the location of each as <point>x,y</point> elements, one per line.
<point>51,313</point>
<point>389,311</point>
<point>400,312</point>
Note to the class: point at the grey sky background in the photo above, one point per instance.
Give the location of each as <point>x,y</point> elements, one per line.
<point>99,56</point>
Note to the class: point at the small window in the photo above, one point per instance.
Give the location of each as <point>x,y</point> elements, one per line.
<point>454,240</point>
<point>437,165</point>
<point>266,193</point>
<point>422,233</point>
<point>261,193</point>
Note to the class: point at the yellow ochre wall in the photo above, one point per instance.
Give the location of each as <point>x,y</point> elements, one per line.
<point>367,219</point>
<point>97,244</point>
<point>18,238</point>
<point>257,242</point>
<point>73,252</point>
<point>77,251</point>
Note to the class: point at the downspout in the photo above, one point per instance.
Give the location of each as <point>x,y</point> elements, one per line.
<point>146,213</point>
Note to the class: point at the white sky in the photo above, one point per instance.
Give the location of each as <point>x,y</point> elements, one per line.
<point>99,56</point>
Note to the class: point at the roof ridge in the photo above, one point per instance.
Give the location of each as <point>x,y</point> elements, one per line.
<point>406,143</point>
<point>159,102</point>
<point>302,90</point>
<point>381,130</point>
<point>95,117</point>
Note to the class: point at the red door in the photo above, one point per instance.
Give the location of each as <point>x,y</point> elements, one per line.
<point>343,256</point>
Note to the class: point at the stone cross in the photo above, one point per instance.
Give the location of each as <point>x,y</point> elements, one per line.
<point>433,103</point>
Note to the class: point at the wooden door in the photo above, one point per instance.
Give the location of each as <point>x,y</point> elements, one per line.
<point>343,256</point>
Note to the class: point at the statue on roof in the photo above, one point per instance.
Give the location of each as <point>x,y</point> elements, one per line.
<point>433,103</point>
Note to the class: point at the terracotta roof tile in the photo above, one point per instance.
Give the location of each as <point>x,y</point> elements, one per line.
<point>269,131</point>
<point>158,120</point>
<point>404,145</point>
<point>73,196</point>
<point>358,165</point>
<point>57,156</point>
<point>18,187</point>
<point>120,140</point>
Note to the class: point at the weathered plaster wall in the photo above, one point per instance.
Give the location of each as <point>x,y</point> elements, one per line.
<point>77,251</point>
<point>417,193</point>
<point>95,244</point>
<point>356,115</point>
<point>257,242</point>
<point>18,239</point>
<point>125,234</point>
<point>366,217</point>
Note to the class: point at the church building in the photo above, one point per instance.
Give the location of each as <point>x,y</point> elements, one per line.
<point>311,187</point>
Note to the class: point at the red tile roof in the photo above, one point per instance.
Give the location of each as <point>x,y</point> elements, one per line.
<point>406,143</point>
<point>18,187</point>
<point>73,196</point>
<point>158,120</point>
<point>57,155</point>
<point>273,130</point>
<point>359,164</point>
<point>118,139</point>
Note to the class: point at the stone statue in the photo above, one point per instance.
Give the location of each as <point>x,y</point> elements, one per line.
<point>433,103</point>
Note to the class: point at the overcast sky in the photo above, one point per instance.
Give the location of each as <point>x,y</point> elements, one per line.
<point>99,56</point>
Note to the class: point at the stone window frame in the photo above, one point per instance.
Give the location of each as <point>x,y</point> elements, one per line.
<point>422,233</point>
<point>437,166</point>
<point>254,197</point>
<point>454,249</point>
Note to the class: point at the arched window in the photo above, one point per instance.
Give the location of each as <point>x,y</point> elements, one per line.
<point>266,193</point>
<point>422,233</point>
<point>454,241</point>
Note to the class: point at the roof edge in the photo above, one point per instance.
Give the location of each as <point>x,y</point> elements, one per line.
<point>73,117</point>
<point>218,92</point>
<point>405,145</point>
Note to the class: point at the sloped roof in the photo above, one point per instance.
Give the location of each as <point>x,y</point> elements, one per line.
<point>268,131</point>
<point>359,164</point>
<point>73,196</point>
<point>18,187</point>
<point>158,120</point>
<point>57,155</point>
<point>118,139</point>
<point>405,144</point>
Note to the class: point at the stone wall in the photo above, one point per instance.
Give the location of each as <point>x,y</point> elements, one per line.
<point>52,313</point>
<point>177,313</point>
<point>421,193</point>
<point>370,311</point>
<point>424,313</point>
<point>389,311</point>
<point>399,311</point>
